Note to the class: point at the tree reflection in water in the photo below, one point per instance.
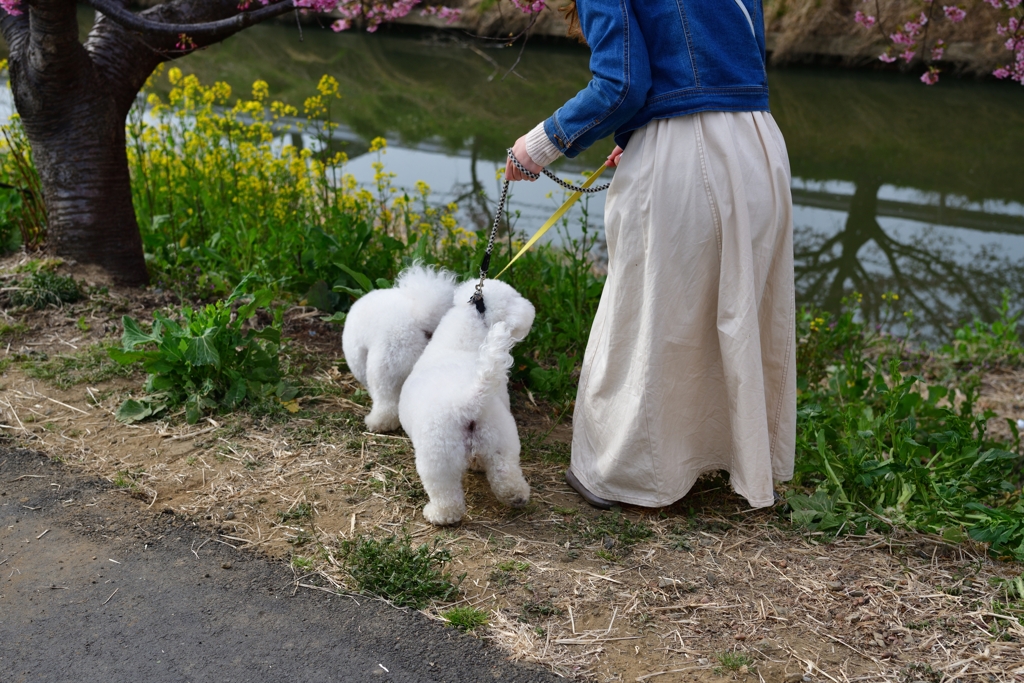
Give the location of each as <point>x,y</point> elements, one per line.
<point>938,275</point>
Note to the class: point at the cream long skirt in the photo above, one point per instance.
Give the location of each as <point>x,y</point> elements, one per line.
<point>691,361</point>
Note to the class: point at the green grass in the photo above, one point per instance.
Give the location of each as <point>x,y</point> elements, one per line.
<point>44,288</point>
<point>91,365</point>
<point>393,569</point>
<point>12,330</point>
<point>302,563</point>
<point>733,661</point>
<point>465,619</point>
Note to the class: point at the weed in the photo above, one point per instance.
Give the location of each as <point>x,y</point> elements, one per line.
<point>301,539</point>
<point>465,619</point>
<point>302,563</point>
<point>207,362</point>
<point>393,569</point>
<point>297,513</point>
<point>91,365</point>
<point>611,528</point>
<point>126,479</point>
<point>995,342</point>
<point>922,672</point>
<point>513,566</point>
<point>44,288</point>
<point>884,448</point>
<point>733,661</point>
<point>540,609</point>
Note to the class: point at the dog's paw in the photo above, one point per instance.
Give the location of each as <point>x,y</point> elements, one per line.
<point>520,501</point>
<point>476,464</point>
<point>516,494</point>
<point>379,421</point>
<point>442,516</point>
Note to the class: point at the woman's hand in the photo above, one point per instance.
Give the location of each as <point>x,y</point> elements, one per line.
<point>613,158</point>
<point>519,149</point>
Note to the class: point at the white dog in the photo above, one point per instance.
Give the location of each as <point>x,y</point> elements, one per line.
<point>386,331</point>
<point>455,405</point>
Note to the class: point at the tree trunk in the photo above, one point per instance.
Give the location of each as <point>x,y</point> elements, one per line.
<point>75,123</point>
<point>83,170</point>
<point>73,99</point>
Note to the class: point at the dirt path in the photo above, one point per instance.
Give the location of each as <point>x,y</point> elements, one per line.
<point>92,589</point>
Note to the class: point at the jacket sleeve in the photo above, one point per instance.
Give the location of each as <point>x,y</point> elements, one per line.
<point>620,82</point>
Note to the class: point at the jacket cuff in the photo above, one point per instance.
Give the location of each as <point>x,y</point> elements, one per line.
<point>539,146</point>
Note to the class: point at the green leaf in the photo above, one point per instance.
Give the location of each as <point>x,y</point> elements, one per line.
<point>360,279</point>
<point>192,410</point>
<point>133,334</point>
<point>383,283</point>
<point>127,357</point>
<point>337,317</point>
<point>235,394</point>
<point>201,350</point>
<point>348,290</point>
<point>133,411</point>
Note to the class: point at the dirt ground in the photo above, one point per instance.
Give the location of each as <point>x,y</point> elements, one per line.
<point>706,590</point>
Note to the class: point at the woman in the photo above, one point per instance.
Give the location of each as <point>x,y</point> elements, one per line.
<point>690,363</point>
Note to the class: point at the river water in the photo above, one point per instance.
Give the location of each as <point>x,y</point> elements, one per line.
<point>898,187</point>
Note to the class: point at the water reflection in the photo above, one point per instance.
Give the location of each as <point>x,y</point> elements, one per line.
<point>945,263</point>
<point>897,187</point>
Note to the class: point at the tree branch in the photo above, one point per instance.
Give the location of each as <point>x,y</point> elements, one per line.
<point>207,32</point>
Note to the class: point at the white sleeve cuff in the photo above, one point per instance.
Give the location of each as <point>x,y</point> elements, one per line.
<point>539,146</point>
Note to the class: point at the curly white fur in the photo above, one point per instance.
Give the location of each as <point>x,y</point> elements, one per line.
<point>386,331</point>
<point>455,405</point>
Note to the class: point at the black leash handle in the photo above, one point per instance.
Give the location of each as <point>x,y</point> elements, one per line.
<point>478,295</point>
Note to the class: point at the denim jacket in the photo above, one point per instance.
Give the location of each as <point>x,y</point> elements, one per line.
<point>656,59</point>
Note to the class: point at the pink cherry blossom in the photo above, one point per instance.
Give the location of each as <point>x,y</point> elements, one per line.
<point>865,20</point>
<point>887,58</point>
<point>12,7</point>
<point>930,77</point>
<point>954,13</point>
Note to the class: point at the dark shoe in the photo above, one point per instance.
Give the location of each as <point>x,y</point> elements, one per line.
<point>596,501</point>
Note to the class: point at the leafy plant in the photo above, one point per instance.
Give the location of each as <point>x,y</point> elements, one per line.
<point>998,341</point>
<point>209,361</point>
<point>882,448</point>
<point>393,569</point>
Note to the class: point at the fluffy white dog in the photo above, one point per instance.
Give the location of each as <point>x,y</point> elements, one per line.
<point>455,407</point>
<point>386,331</point>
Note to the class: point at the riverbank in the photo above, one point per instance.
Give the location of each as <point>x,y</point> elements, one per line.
<point>796,31</point>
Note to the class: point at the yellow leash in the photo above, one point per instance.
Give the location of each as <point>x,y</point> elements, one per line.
<point>566,205</point>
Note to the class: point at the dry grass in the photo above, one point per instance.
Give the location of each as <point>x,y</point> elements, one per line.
<point>649,595</point>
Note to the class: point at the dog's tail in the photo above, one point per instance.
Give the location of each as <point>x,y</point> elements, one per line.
<point>494,360</point>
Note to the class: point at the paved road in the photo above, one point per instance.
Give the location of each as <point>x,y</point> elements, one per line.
<point>92,588</point>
